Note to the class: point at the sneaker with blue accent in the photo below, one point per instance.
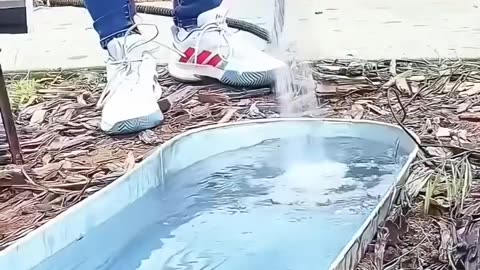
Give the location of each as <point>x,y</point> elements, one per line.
<point>211,51</point>
<point>129,101</point>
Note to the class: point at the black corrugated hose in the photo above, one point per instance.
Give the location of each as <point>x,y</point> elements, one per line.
<point>168,12</point>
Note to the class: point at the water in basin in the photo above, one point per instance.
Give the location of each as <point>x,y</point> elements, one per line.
<point>280,204</point>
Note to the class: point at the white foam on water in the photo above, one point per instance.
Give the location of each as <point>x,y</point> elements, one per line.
<point>316,177</point>
<point>306,184</point>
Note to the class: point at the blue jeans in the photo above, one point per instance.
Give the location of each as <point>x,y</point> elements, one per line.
<point>112,18</point>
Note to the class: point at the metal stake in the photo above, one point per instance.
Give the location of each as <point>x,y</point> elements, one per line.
<point>9,123</point>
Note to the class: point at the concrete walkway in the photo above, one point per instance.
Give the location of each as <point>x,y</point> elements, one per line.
<point>369,29</point>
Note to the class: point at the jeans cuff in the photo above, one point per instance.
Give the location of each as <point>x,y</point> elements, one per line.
<point>186,23</point>
<point>104,41</point>
<point>114,24</point>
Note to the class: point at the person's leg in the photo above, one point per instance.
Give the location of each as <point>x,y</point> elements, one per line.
<point>129,102</point>
<point>111,18</point>
<point>209,50</point>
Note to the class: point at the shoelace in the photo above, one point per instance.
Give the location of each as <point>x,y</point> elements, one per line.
<point>123,67</point>
<point>219,25</point>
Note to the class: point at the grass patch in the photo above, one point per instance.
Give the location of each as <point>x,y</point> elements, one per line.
<point>23,93</point>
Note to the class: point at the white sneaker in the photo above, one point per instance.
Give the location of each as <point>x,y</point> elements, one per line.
<point>129,100</point>
<point>210,51</point>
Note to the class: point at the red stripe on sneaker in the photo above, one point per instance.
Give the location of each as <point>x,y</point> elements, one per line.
<point>215,61</point>
<point>202,57</point>
<point>188,54</point>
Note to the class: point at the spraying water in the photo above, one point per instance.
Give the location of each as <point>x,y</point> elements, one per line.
<point>295,87</point>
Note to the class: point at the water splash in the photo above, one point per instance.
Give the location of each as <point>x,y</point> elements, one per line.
<point>294,86</point>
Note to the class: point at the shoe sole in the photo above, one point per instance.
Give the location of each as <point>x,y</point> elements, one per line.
<point>192,73</point>
<point>136,124</point>
<point>248,79</point>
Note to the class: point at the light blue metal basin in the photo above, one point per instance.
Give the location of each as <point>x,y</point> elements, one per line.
<point>265,194</point>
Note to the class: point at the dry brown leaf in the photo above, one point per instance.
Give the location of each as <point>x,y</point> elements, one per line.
<point>206,97</point>
<point>327,90</point>
<point>415,87</point>
<point>184,94</point>
<point>28,111</point>
<point>449,87</point>
<point>254,112</point>
<point>67,116</point>
<point>57,143</point>
<point>474,109</point>
<point>46,159</point>
<point>473,117</point>
<point>41,139</point>
<point>95,122</point>
<point>11,176</point>
<point>200,110</point>
<point>462,134</point>
<point>148,137</point>
<point>47,170</point>
<point>63,142</point>
<point>393,67</point>
<point>463,107</point>
<point>182,119</point>
<point>357,111</point>
<point>471,237</point>
<point>81,99</point>
<point>72,154</point>
<point>129,163</point>
<point>402,85</point>
<point>244,102</point>
<point>363,101</point>
<point>228,115</point>
<point>376,109</point>
<point>38,117</point>
<point>436,152</point>
<point>443,132</point>
<point>473,89</point>
<point>417,78</point>
<point>118,167</point>
<point>400,81</point>
<point>201,124</point>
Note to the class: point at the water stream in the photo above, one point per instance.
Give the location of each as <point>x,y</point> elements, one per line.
<point>294,86</point>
